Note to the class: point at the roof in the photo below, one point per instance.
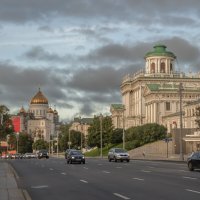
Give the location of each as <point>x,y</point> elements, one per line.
<point>160,50</point>
<point>159,87</point>
<point>117,106</point>
<point>83,120</point>
<point>39,98</point>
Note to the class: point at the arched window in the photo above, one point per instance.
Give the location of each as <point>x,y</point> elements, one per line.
<point>152,67</point>
<point>171,67</point>
<point>162,67</point>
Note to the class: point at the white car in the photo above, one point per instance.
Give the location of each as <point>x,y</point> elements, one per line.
<point>118,154</point>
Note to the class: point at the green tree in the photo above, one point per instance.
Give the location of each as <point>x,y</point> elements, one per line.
<point>24,143</point>
<point>116,136</point>
<point>40,144</point>
<point>94,132</point>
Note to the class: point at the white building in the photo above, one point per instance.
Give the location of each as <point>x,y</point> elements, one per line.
<point>40,121</point>
<point>153,94</point>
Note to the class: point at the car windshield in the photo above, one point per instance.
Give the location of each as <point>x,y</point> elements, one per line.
<point>120,151</point>
<point>76,153</point>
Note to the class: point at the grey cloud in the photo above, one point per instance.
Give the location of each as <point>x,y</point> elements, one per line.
<point>39,53</point>
<point>104,9</point>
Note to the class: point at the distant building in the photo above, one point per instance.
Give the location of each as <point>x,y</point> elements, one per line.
<point>40,121</point>
<point>81,125</point>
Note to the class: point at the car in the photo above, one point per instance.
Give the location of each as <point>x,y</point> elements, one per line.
<point>43,153</point>
<point>75,156</point>
<point>29,155</point>
<point>193,161</point>
<point>67,152</point>
<point>118,154</point>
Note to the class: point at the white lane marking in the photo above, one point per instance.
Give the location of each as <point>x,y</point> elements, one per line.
<point>187,177</point>
<point>84,181</point>
<point>51,169</point>
<point>146,171</point>
<point>85,168</point>
<point>139,179</point>
<point>181,170</point>
<point>106,172</point>
<point>194,191</point>
<point>63,173</point>
<point>121,196</point>
<point>99,164</point>
<point>118,167</point>
<point>39,186</point>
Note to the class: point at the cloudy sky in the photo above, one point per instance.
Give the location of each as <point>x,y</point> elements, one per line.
<point>77,51</point>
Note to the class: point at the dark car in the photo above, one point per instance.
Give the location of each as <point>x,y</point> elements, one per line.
<point>118,154</point>
<point>193,161</point>
<point>75,156</point>
<point>67,152</point>
<point>43,154</point>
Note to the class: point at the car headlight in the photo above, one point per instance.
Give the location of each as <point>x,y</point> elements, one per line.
<point>72,157</point>
<point>83,157</point>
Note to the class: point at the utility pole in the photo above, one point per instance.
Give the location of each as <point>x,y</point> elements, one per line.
<point>123,139</point>
<point>101,137</point>
<point>181,121</point>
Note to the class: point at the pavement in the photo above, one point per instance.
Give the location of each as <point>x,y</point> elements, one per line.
<point>9,189</point>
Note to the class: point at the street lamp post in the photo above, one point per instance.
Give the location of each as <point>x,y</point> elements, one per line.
<point>57,143</point>
<point>123,129</point>
<point>181,121</point>
<point>69,142</point>
<point>17,138</point>
<point>101,138</point>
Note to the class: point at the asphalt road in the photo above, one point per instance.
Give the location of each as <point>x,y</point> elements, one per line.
<point>98,179</point>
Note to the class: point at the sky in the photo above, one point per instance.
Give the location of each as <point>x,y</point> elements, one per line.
<point>78,51</point>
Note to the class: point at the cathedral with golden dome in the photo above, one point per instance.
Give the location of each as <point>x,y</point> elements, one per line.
<point>40,120</point>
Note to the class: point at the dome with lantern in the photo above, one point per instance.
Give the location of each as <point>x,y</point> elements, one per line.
<point>39,98</point>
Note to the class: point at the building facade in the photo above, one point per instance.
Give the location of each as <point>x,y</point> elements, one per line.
<point>40,120</point>
<point>158,93</point>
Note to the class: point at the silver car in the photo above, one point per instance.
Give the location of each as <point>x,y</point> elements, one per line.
<point>118,154</point>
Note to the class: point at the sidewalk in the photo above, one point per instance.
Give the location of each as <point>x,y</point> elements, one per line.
<point>8,185</point>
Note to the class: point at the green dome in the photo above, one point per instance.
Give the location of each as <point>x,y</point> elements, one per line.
<point>160,50</point>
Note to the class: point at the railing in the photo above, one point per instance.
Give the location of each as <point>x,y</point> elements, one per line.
<point>142,73</point>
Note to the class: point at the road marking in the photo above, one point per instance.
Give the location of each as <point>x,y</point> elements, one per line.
<point>51,169</point>
<point>146,171</point>
<point>187,177</point>
<point>139,179</point>
<point>85,168</point>
<point>106,172</point>
<point>84,181</point>
<point>192,191</point>
<point>118,167</point>
<point>121,196</point>
<point>181,170</point>
<point>40,186</point>
<point>63,173</point>
<point>100,164</point>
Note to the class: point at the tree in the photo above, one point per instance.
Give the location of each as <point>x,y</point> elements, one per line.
<point>24,143</point>
<point>6,126</point>
<point>116,136</point>
<point>144,134</point>
<point>40,144</point>
<point>94,132</point>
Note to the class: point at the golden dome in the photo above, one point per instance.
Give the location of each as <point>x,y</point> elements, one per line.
<point>55,112</point>
<point>22,110</point>
<point>50,110</point>
<point>39,98</point>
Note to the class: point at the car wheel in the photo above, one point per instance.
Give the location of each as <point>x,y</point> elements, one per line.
<point>127,160</point>
<point>109,159</point>
<point>121,160</point>
<point>190,166</point>
<point>67,161</point>
<point>115,159</point>
<point>83,162</point>
<point>70,161</point>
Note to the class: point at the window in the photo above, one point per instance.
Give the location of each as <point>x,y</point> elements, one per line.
<point>152,67</point>
<point>167,106</point>
<point>162,67</point>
